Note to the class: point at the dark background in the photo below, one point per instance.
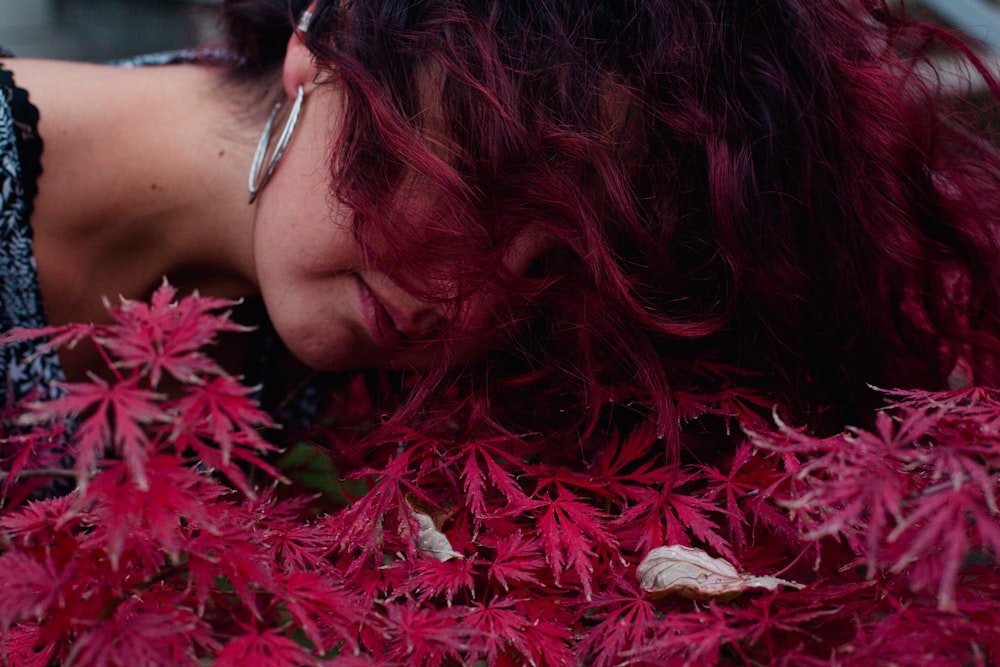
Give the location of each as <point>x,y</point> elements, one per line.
<point>103,29</point>
<point>107,29</point>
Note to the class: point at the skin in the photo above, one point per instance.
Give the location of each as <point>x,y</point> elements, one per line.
<point>319,292</point>
<point>144,177</point>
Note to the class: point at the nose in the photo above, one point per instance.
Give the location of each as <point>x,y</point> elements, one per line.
<point>420,324</point>
<point>411,317</point>
<point>420,321</point>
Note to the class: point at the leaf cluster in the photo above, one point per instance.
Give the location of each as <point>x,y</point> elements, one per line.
<point>441,550</point>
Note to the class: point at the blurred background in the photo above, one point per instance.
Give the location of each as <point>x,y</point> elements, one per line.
<point>107,29</point>
<point>103,29</point>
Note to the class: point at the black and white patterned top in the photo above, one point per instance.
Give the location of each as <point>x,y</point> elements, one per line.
<point>26,368</point>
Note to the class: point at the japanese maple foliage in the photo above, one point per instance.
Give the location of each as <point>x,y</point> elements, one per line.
<point>148,522</point>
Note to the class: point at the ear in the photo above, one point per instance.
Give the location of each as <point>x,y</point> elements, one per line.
<point>300,66</point>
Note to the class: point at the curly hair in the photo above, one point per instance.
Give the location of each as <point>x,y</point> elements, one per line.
<point>771,184</point>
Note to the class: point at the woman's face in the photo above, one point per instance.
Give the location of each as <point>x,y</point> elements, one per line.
<point>331,310</point>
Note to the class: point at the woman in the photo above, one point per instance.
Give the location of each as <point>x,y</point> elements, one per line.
<point>553,207</point>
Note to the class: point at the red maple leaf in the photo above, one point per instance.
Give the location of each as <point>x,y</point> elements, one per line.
<point>626,617</point>
<point>669,516</point>
<point>572,532</point>
<point>426,636</point>
<point>25,645</point>
<point>151,630</point>
<point>112,414</point>
<point>29,586</point>
<point>746,476</point>
<point>552,632</point>
<point>221,423</point>
<point>68,335</point>
<point>498,630</point>
<point>430,578</point>
<point>35,524</point>
<point>484,464</point>
<point>269,648</point>
<point>517,560</point>
<point>237,554</point>
<point>326,611</point>
<point>177,501</point>
<point>359,526</point>
<point>167,335</point>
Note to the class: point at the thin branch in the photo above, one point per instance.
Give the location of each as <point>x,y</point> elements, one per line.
<point>41,472</point>
<point>943,486</point>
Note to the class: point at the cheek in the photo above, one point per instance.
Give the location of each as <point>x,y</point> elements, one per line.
<point>305,239</point>
<point>304,268</point>
<point>315,321</point>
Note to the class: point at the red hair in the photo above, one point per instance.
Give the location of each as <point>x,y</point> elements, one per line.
<point>767,184</point>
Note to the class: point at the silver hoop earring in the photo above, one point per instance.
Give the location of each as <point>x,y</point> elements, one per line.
<point>307,17</point>
<point>256,181</point>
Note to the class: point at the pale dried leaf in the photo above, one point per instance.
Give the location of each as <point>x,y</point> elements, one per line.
<point>693,574</point>
<point>431,541</point>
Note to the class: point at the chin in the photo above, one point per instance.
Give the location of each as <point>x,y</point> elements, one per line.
<point>325,354</point>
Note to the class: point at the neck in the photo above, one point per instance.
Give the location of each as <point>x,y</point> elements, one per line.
<point>144,175</point>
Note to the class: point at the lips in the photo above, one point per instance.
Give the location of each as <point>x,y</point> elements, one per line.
<point>380,324</point>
